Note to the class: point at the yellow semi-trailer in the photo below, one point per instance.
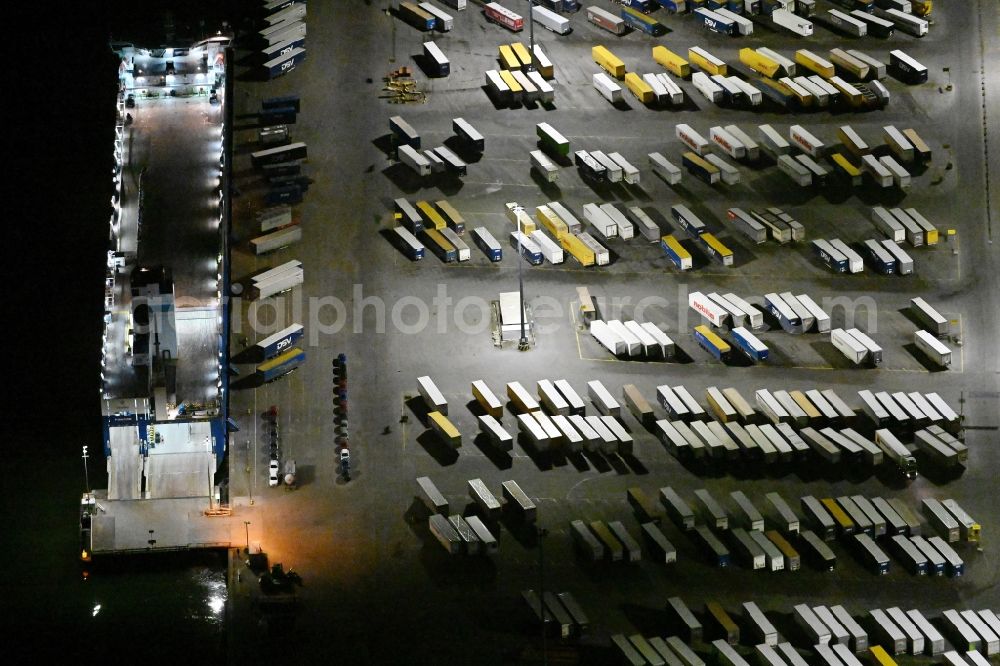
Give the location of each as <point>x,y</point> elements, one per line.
<point>516,91</point>
<point>674,63</point>
<point>448,433</point>
<point>522,53</point>
<point>815,63</point>
<point>920,150</point>
<point>508,59</point>
<point>706,62</point>
<point>577,249</point>
<point>432,219</point>
<point>642,90</point>
<point>521,398</point>
<point>552,222</point>
<point>451,216</point>
<point>487,399</point>
<point>849,65</point>
<point>608,61</point>
<point>542,63</point>
<point>759,63</point>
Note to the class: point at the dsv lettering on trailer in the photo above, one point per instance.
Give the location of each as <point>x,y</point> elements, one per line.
<point>284,343</point>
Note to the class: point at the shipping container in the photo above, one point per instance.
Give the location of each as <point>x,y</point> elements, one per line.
<point>820,519</point>
<point>907,22</point>
<point>664,168</point>
<point>445,429</point>
<point>674,63</point>
<point>497,13</point>
<point>546,167</point>
<point>792,23</point>
<point>871,555</point>
<point>932,348</point>
<point>711,343</point>
<point>602,399</point>
<point>276,240</point>
<point>487,243</point>
<point>958,631</point>
<point>552,141</point>
<point>516,500</point>
<point>604,19</point>
<point>496,433</point>
<point>707,87</point>
<point>817,551</point>
<point>586,543</point>
<point>933,640</point>
<point>550,20</point>
<point>717,553</point>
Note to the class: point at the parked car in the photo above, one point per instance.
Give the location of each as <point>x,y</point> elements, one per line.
<point>272,479</point>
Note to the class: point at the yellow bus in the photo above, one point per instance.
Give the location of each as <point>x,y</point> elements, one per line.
<point>507,58</point>
<point>672,62</point>
<point>578,249</point>
<point>609,61</point>
<point>759,63</point>
<point>881,657</point>
<point>448,433</point>
<point>432,218</point>
<point>845,524</point>
<point>522,53</point>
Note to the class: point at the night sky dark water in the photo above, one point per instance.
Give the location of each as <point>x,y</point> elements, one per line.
<point>58,159</point>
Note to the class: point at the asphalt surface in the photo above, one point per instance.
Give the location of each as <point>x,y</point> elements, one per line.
<point>378,587</point>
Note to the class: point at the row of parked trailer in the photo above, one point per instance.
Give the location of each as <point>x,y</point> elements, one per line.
<point>839,637</point>
<point>849,78</point>
<point>803,167</point>
<point>796,425</point>
<point>806,425</point>
<point>888,632</point>
<point>559,614</point>
<point>524,77</point>
<point>860,521</point>
<point>282,38</point>
<point>440,159</point>
<point>563,422</point>
<point>471,534</point>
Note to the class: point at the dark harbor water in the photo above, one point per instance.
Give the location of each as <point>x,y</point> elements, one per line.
<point>140,609</point>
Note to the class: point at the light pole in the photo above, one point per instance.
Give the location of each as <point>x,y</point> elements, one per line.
<point>522,344</point>
<point>246,527</point>
<point>531,35</point>
<point>86,476</point>
<point>542,533</point>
